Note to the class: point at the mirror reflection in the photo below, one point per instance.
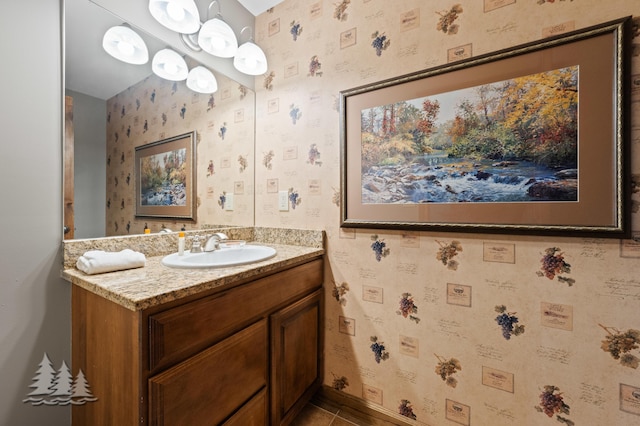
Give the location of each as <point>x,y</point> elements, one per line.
<point>116,107</point>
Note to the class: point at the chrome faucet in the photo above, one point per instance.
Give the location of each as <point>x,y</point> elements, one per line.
<point>213,243</point>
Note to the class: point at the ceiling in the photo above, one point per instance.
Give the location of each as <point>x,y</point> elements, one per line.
<point>89,69</point>
<point>256,7</point>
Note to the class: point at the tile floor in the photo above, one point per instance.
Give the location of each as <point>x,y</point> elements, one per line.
<point>321,413</point>
<point>312,415</point>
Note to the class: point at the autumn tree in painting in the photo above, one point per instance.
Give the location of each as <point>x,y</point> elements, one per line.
<point>542,110</point>
<point>427,124</point>
<point>158,170</point>
<point>175,166</point>
<point>396,132</point>
<point>151,173</point>
<point>531,118</point>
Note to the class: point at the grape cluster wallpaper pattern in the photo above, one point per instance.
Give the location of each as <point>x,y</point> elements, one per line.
<point>432,329</point>
<point>440,329</point>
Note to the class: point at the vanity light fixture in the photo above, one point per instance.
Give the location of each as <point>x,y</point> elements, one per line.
<point>178,15</point>
<point>126,45</point>
<point>202,80</point>
<point>216,37</point>
<point>250,59</point>
<point>169,65</point>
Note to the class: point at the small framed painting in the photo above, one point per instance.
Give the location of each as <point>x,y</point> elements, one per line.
<point>165,178</point>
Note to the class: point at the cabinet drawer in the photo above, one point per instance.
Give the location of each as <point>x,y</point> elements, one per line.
<point>253,413</point>
<point>184,330</point>
<point>210,386</point>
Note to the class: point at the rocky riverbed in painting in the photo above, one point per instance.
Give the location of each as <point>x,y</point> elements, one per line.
<point>166,195</point>
<point>444,180</point>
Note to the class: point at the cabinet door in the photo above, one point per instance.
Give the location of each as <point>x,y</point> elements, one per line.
<point>296,348</point>
<point>209,387</point>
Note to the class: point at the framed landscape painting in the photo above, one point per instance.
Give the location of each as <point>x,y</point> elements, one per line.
<point>165,178</point>
<point>530,139</point>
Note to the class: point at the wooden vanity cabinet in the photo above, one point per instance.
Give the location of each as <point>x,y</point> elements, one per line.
<point>248,355</point>
<point>296,357</point>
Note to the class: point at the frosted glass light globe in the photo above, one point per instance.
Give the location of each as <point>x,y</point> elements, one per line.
<point>169,65</point>
<point>250,59</point>
<point>181,16</point>
<point>202,80</point>
<point>217,38</point>
<point>126,45</point>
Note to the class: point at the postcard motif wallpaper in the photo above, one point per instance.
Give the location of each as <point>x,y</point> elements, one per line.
<point>445,328</point>
<point>157,109</point>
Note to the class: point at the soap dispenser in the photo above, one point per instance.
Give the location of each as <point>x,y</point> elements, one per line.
<point>181,244</point>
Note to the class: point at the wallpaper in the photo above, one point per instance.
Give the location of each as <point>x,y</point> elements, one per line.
<point>445,328</point>
<point>157,109</point>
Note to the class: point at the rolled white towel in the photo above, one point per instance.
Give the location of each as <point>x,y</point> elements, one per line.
<point>98,261</point>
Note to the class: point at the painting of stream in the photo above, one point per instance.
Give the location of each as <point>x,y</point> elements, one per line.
<point>509,141</point>
<point>163,179</point>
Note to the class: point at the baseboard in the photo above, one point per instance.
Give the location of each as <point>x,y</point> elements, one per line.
<point>357,410</point>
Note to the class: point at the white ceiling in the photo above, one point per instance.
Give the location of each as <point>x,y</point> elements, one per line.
<point>90,70</point>
<point>256,7</point>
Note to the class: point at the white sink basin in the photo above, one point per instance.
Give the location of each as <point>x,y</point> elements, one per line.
<point>221,258</point>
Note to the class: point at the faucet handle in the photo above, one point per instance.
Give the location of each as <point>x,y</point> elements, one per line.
<point>196,246</point>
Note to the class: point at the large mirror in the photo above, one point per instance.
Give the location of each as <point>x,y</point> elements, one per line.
<point>115,108</point>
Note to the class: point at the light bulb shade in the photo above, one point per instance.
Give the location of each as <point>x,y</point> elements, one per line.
<point>178,15</point>
<point>250,59</point>
<point>169,65</point>
<point>217,38</point>
<point>125,45</point>
<point>202,80</point>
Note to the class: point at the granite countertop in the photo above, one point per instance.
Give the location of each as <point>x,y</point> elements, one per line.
<point>141,288</point>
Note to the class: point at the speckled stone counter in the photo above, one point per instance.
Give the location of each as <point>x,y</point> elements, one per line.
<point>141,288</point>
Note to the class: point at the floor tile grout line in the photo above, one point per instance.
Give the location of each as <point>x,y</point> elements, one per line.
<point>328,412</point>
<point>342,418</point>
<point>335,416</point>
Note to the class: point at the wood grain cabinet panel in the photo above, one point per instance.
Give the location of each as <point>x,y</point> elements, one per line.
<point>177,333</point>
<point>253,413</point>
<point>209,387</point>
<point>249,354</point>
<point>105,345</point>
<point>295,357</point>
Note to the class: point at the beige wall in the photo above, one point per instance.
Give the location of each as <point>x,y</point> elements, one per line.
<point>565,353</point>
<point>35,302</point>
<point>156,109</point>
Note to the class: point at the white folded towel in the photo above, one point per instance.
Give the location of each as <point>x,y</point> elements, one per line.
<point>98,261</point>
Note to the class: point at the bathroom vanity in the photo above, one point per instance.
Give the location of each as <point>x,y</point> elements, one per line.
<point>229,346</point>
